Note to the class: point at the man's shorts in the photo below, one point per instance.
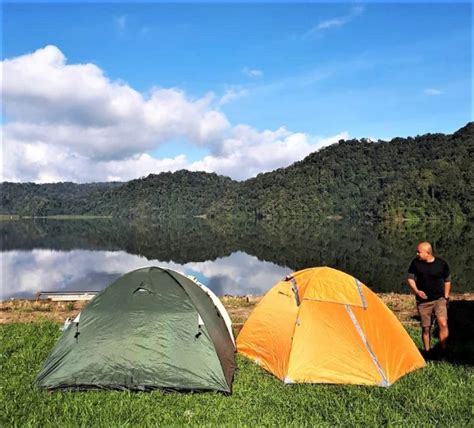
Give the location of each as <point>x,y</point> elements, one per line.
<point>425,309</point>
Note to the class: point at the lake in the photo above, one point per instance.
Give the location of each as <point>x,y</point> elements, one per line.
<point>237,258</point>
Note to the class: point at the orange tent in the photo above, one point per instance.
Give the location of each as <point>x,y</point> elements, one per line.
<point>321,325</point>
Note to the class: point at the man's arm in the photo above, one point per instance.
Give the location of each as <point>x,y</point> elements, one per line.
<point>447,281</point>
<point>412,284</point>
<point>447,289</point>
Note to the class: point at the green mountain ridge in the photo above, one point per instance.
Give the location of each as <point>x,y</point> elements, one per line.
<point>428,176</point>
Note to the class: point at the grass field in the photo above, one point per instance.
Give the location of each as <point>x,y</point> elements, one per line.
<point>440,394</point>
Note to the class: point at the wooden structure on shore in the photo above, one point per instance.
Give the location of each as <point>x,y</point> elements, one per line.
<point>66,296</point>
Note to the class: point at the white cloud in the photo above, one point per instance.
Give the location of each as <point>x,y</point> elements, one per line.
<point>77,112</point>
<point>47,100</point>
<point>433,91</point>
<point>248,152</point>
<point>43,163</point>
<point>70,122</point>
<point>252,72</point>
<point>232,94</point>
<point>336,22</point>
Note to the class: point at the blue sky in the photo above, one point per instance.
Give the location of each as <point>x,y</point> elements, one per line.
<point>313,71</point>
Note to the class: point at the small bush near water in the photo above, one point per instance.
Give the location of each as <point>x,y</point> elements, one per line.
<point>440,394</point>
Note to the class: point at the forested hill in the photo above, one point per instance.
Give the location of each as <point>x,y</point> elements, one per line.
<point>32,199</point>
<point>423,177</point>
<point>180,193</point>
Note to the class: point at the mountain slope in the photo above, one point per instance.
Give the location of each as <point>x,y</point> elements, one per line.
<point>427,176</point>
<point>423,177</point>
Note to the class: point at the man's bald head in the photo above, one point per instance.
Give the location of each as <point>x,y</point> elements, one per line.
<point>424,251</point>
<point>426,246</point>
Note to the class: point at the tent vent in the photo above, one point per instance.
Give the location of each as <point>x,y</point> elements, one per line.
<point>142,290</point>
<point>66,325</point>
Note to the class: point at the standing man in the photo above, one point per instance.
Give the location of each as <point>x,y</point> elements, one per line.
<point>429,278</point>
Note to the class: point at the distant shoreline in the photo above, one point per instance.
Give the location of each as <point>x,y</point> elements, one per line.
<point>330,218</point>
<point>11,217</point>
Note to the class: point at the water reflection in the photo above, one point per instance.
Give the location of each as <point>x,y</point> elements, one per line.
<point>231,258</point>
<point>25,273</point>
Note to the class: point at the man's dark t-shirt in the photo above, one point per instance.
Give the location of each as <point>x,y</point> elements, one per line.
<point>430,277</point>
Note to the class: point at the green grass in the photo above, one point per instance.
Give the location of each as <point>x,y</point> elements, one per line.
<point>439,394</point>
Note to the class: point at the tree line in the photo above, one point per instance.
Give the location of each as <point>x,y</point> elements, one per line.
<point>428,176</point>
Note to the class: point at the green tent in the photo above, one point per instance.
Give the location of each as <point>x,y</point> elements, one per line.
<point>152,328</point>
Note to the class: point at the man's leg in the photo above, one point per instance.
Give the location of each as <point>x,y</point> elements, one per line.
<point>443,332</point>
<point>425,337</point>
<point>425,310</point>
<point>441,312</point>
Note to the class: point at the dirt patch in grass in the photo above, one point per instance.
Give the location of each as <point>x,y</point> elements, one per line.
<point>26,311</point>
<point>238,307</point>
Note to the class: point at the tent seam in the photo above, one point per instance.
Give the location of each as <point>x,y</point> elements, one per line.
<point>362,296</point>
<point>374,358</point>
<point>294,328</point>
<point>212,341</point>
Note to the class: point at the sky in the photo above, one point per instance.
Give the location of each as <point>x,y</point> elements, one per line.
<point>116,91</point>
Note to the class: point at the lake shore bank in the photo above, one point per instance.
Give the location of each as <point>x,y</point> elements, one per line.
<point>238,307</point>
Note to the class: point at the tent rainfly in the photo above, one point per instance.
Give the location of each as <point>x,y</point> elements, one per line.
<point>321,325</point>
<point>152,328</point>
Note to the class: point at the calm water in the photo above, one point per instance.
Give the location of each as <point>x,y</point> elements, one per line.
<point>230,258</point>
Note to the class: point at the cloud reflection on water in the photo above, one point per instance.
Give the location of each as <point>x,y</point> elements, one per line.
<point>25,273</point>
